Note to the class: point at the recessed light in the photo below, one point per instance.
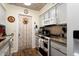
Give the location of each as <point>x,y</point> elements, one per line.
<point>28,4</point>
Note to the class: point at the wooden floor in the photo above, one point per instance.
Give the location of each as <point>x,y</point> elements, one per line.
<point>27,52</point>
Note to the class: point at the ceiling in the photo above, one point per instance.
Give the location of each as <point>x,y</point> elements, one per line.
<point>33,6</point>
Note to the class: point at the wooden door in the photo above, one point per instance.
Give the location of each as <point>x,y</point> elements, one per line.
<point>25,32</point>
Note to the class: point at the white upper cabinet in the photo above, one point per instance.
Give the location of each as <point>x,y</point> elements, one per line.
<point>55,15</point>
<point>52,15</point>
<point>2,15</point>
<point>61,11</point>
<point>48,17</point>
<point>51,18</point>
<point>46,20</point>
<point>42,20</point>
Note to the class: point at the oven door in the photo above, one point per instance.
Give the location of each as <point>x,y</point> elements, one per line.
<point>41,43</point>
<point>45,45</point>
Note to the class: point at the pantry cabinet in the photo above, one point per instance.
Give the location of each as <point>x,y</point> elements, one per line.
<point>58,49</point>
<point>61,13</point>
<point>2,15</point>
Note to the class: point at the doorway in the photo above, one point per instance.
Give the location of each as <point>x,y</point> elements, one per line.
<point>25,32</point>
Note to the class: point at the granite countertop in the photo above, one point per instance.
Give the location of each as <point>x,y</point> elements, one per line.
<point>2,43</point>
<point>54,39</point>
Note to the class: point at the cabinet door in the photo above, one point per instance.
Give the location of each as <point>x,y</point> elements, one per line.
<point>5,50</point>
<point>61,11</point>
<point>46,15</point>
<point>59,47</point>
<point>50,17</point>
<point>47,20</point>
<point>2,15</point>
<point>55,52</point>
<point>52,14</point>
<point>42,20</point>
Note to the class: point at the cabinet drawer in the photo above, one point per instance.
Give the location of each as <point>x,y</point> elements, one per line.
<point>5,50</point>
<point>55,52</point>
<point>59,47</point>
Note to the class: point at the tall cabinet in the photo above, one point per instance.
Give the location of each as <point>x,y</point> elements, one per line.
<point>61,12</point>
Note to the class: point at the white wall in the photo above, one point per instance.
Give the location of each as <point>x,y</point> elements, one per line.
<point>73,24</point>
<point>13,27</point>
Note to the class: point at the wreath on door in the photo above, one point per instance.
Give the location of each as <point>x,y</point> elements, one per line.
<point>25,20</point>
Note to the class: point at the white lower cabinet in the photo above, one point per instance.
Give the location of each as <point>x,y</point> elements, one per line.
<point>5,50</point>
<point>57,49</point>
<point>55,52</point>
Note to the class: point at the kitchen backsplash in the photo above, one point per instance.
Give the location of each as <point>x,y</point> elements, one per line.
<point>60,30</point>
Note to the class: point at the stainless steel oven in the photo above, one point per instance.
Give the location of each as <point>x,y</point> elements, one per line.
<point>43,49</point>
<point>45,44</point>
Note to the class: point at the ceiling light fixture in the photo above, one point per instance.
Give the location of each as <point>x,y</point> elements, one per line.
<point>28,4</point>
